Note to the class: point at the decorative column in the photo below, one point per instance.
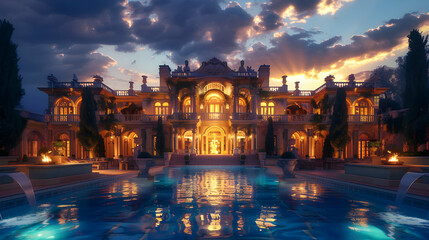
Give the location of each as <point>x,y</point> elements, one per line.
<point>172,139</point>
<point>254,101</point>
<point>252,141</point>
<point>257,140</point>
<point>235,141</point>
<point>235,101</point>
<point>193,141</point>
<point>193,100</point>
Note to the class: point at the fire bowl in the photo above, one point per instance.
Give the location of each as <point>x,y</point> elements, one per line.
<point>386,162</point>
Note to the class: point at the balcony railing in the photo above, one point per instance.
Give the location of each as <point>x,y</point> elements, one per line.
<point>70,118</point>
<point>184,116</point>
<point>215,116</point>
<point>362,118</point>
<point>74,118</point>
<point>244,116</point>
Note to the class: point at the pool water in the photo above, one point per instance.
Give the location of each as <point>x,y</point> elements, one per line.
<point>213,202</point>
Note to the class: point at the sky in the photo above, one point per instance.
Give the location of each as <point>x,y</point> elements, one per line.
<point>122,40</point>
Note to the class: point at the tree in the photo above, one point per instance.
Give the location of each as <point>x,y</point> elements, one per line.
<point>100,149</point>
<point>160,138</point>
<point>416,91</point>
<point>338,131</point>
<point>88,131</point>
<point>11,123</point>
<point>328,150</point>
<point>108,105</point>
<point>269,138</point>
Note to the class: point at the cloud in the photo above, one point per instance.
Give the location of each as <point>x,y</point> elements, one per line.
<point>273,12</point>
<point>298,53</point>
<point>190,28</point>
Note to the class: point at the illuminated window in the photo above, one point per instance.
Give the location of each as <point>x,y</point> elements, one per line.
<point>165,108</point>
<point>263,108</point>
<point>270,110</point>
<point>33,144</point>
<point>214,105</point>
<point>65,138</point>
<point>242,106</point>
<point>363,150</point>
<point>376,101</point>
<point>64,107</point>
<point>187,105</point>
<point>362,107</point>
<point>158,109</point>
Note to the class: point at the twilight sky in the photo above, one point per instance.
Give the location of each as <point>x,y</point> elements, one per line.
<point>121,40</point>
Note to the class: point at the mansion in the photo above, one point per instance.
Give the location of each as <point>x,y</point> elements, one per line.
<point>210,110</point>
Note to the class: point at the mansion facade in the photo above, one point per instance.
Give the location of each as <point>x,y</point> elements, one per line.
<point>209,110</point>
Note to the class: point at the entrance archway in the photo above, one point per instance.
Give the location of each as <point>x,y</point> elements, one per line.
<point>214,141</point>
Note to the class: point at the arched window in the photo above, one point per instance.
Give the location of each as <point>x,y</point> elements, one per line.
<point>214,105</point>
<point>362,107</point>
<point>158,109</point>
<point>65,138</point>
<point>187,105</point>
<point>63,107</point>
<point>270,110</point>
<point>242,106</point>
<point>263,108</point>
<point>165,108</point>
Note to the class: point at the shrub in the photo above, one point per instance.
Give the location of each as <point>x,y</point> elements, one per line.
<point>25,158</point>
<point>243,157</point>
<point>144,155</point>
<point>186,157</point>
<point>288,155</point>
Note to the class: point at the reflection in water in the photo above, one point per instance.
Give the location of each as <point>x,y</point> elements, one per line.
<point>209,202</point>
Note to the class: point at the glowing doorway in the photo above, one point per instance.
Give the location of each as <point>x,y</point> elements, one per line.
<point>214,141</point>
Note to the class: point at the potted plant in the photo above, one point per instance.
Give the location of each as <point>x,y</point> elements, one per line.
<point>287,162</point>
<point>242,159</point>
<point>144,162</point>
<point>187,159</point>
<point>373,147</point>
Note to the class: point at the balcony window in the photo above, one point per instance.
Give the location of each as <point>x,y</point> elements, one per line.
<point>63,107</point>
<point>187,105</point>
<point>242,106</point>
<point>164,109</point>
<point>158,108</point>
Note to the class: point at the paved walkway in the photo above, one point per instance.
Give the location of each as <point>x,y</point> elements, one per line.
<point>341,176</point>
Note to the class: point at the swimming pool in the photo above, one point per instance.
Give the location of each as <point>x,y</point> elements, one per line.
<point>214,202</point>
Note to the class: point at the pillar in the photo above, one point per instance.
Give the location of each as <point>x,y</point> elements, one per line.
<point>254,101</point>
<point>235,100</point>
<point>149,140</point>
<point>252,146</point>
<point>193,141</point>
<point>257,140</point>
<point>176,141</point>
<point>172,139</point>
<point>235,139</point>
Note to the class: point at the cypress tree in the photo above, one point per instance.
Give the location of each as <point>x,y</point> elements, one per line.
<point>415,96</point>
<point>338,131</point>
<point>269,138</point>
<point>11,123</point>
<point>160,138</point>
<point>88,131</point>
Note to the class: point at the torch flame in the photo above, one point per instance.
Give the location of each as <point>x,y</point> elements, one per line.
<point>394,158</point>
<point>46,159</point>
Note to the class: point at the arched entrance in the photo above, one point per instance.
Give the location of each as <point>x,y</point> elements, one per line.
<point>299,138</point>
<point>214,141</point>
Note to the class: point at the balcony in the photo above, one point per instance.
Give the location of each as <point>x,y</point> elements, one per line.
<point>123,118</point>
<point>184,116</point>
<point>244,116</point>
<point>361,118</point>
<point>215,116</point>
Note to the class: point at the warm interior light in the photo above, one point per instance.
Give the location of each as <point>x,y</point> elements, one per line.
<point>46,159</point>
<point>227,106</point>
<point>302,137</point>
<point>393,159</point>
<point>201,106</point>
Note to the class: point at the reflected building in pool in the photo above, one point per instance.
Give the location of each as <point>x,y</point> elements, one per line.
<point>206,111</point>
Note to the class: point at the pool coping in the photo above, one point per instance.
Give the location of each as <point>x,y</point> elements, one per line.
<point>20,199</point>
<point>386,194</point>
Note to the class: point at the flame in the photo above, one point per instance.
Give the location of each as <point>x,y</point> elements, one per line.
<point>394,158</point>
<point>46,159</point>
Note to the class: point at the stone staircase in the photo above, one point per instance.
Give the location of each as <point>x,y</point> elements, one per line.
<point>218,160</point>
